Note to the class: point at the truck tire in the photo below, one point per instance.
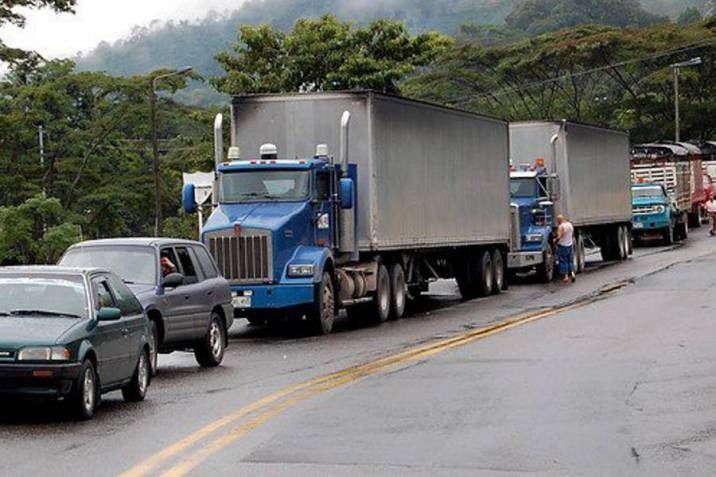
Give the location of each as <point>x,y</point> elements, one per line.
<point>545,270</point>
<point>668,235</point>
<point>630,242</point>
<point>323,311</point>
<point>622,248</point>
<point>398,295</point>
<point>579,254</point>
<point>695,218</point>
<point>483,277</point>
<point>464,277</point>
<point>380,307</point>
<point>498,272</point>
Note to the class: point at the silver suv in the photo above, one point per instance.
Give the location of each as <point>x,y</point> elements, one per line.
<point>177,282</point>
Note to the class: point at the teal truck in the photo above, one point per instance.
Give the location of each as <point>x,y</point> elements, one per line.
<point>661,195</point>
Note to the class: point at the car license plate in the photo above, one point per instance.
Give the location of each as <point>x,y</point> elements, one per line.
<point>638,225</point>
<point>242,302</point>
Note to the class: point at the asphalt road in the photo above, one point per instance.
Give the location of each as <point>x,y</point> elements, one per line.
<point>615,374</point>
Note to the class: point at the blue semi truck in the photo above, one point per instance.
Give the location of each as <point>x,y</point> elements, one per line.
<point>576,170</point>
<point>418,192</point>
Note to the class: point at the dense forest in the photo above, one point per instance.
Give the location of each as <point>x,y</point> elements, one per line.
<point>175,44</point>
<point>94,176</point>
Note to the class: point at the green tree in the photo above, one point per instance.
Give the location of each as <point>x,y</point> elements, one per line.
<point>539,16</point>
<point>11,13</point>
<point>604,75</point>
<point>325,54</point>
<point>689,16</point>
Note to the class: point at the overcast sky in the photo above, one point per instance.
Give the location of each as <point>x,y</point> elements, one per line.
<point>56,35</point>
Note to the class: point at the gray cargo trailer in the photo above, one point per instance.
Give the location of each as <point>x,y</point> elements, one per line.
<point>356,200</point>
<point>576,170</point>
<point>428,176</point>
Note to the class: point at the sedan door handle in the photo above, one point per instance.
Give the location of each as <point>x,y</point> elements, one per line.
<point>209,293</point>
<point>125,331</point>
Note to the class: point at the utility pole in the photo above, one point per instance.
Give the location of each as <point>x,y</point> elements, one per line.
<point>41,134</point>
<point>155,147</point>
<point>677,73</point>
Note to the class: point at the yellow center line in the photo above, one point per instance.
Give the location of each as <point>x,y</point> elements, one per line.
<point>301,392</point>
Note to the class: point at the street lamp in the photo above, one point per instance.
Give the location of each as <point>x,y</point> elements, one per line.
<point>677,72</point>
<point>155,146</point>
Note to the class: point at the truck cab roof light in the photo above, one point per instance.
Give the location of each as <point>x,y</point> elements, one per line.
<point>268,151</point>
<point>234,153</point>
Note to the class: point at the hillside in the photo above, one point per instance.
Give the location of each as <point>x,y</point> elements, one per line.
<point>195,43</point>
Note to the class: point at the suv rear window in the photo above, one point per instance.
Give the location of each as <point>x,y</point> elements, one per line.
<point>187,265</point>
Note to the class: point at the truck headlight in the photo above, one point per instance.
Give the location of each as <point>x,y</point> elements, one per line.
<point>533,238</point>
<point>49,353</point>
<point>659,209</point>
<point>301,270</point>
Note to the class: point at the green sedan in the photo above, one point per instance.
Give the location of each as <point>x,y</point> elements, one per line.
<point>71,335</point>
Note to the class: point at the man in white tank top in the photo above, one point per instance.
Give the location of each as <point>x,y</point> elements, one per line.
<point>565,248</point>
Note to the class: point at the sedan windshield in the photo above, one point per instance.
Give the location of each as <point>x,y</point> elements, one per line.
<point>133,264</point>
<point>647,192</point>
<point>46,296</point>
<point>522,187</point>
<point>253,186</point>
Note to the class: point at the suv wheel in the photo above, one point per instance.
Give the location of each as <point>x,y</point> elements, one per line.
<point>210,352</point>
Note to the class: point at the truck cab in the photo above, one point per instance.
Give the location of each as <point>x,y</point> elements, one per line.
<point>654,212</point>
<point>532,192</point>
<point>275,227</point>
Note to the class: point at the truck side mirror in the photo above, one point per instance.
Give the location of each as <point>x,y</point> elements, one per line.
<point>188,199</point>
<point>347,192</point>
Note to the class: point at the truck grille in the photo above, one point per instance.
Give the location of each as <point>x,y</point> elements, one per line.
<point>642,210</point>
<point>242,259</point>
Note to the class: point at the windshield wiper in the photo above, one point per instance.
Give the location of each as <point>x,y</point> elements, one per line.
<point>128,282</point>
<point>259,195</point>
<point>41,313</point>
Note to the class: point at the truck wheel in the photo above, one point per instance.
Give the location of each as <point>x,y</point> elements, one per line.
<point>323,312</point>
<point>630,242</point>
<point>579,254</point>
<point>545,270</point>
<point>622,248</point>
<point>695,218</point>
<point>483,275</point>
<point>668,235</point>
<point>498,272</point>
<point>210,352</point>
<point>399,292</point>
<point>464,277</point>
<point>681,231</point>
<point>381,298</point>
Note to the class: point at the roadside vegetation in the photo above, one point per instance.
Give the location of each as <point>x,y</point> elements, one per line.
<point>608,64</point>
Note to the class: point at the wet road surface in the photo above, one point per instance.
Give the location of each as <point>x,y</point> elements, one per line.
<point>621,382</point>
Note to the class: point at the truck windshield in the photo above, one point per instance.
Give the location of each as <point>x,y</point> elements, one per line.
<point>43,296</point>
<point>522,187</point>
<point>647,192</point>
<point>133,264</point>
<point>274,185</point>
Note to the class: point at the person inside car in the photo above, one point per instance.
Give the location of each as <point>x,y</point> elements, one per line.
<point>167,266</point>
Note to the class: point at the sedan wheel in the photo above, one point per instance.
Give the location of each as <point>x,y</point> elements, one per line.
<point>86,395</point>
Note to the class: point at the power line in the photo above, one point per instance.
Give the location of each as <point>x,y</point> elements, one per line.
<point>693,46</point>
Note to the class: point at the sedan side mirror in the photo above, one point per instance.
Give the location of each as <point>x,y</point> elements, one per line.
<point>109,314</point>
<point>173,280</point>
